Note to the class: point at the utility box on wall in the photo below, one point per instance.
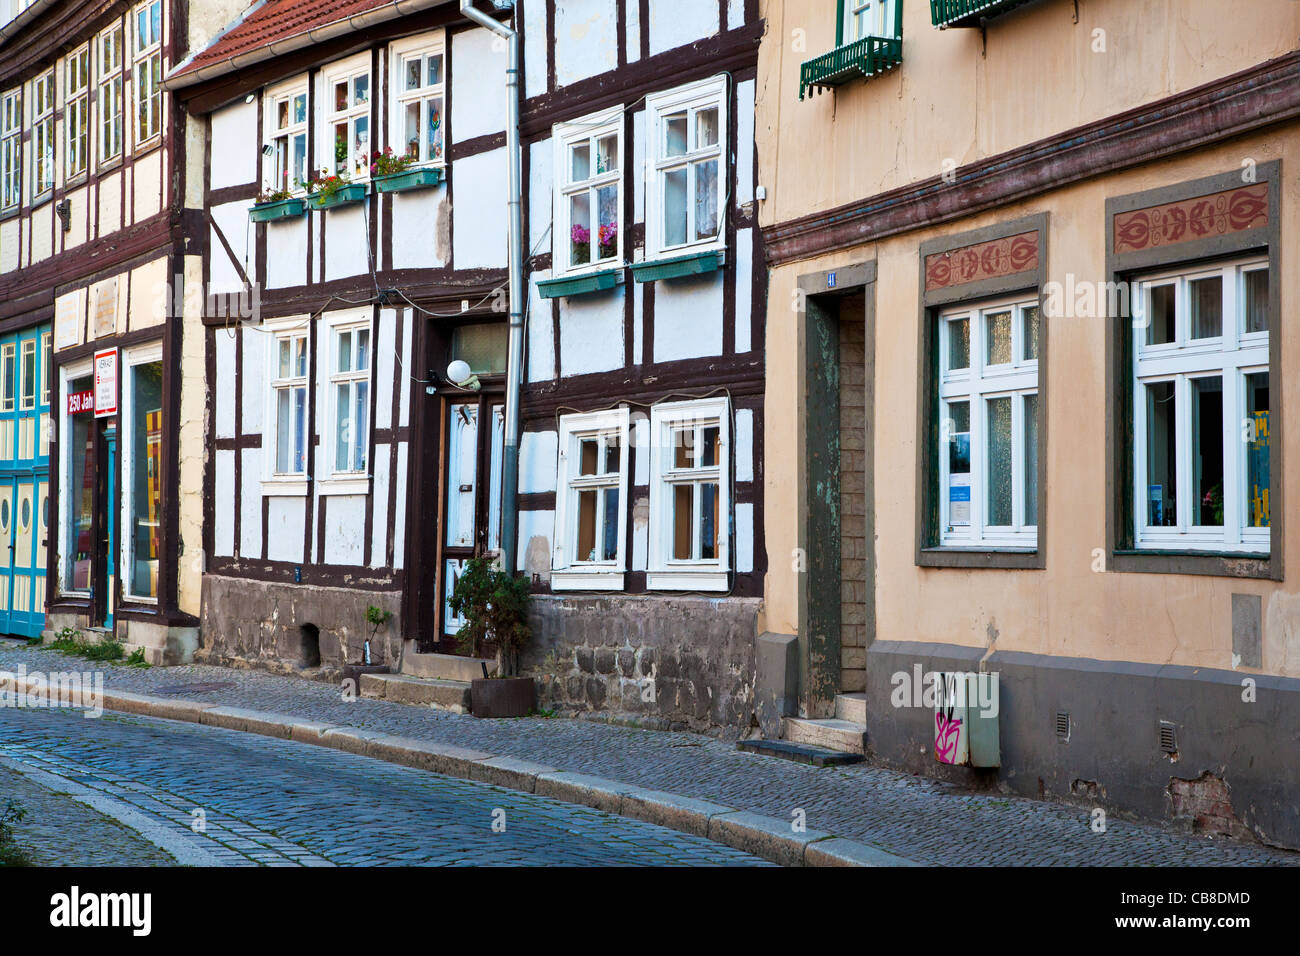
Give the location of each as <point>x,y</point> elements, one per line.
<point>966,719</point>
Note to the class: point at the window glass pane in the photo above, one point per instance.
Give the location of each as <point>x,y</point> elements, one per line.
<point>361,416</point>
<point>683,445</point>
<point>607,211</point>
<point>580,229</point>
<point>146,477</point>
<point>1160,314</point>
<point>1207,450</point>
<point>7,372</point>
<point>999,452</point>
<point>683,521</point>
<point>433,126</point>
<point>613,456</point>
<point>606,154</point>
<point>345,351</point>
<point>609,524</point>
<point>586,525</point>
<point>343,426</point>
<point>283,439</point>
<point>361,144</point>
<point>29,373</point>
<point>1162,456</point>
<point>482,347</point>
<point>675,134</point>
<point>959,344</point>
<point>363,350</point>
<point>412,127</point>
<point>1031,459</point>
<point>709,520</point>
<point>706,128</point>
<point>340,96</point>
<point>462,474</point>
<point>1207,307</point>
<point>81,493</point>
<point>675,207</point>
<point>300,356</point>
<point>706,199</point>
<point>413,73</point>
<point>1255,306</point>
<point>360,90</point>
<point>1257,464</point>
<point>588,450</point>
<point>281,114</point>
<point>300,108</point>
<point>958,435</point>
<point>710,436</point>
<point>435,70</point>
<point>580,162</point>
<point>298,462</point>
<point>1030,314</point>
<point>997,338</point>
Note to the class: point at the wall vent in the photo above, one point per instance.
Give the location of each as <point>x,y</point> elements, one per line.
<point>1063,724</point>
<point>1168,739</point>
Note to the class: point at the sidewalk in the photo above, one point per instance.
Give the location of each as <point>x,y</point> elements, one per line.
<point>918,819</point>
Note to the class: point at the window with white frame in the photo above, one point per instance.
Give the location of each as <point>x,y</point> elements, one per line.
<point>1201,408</point>
<point>589,197</point>
<point>290,429</point>
<point>76,111</point>
<point>868,18</point>
<point>350,397</point>
<point>147,70</point>
<point>591,506</point>
<point>690,495</point>
<point>141,499</point>
<point>686,151</point>
<point>287,118</point>
<point>418,104</point>
<point>988,425</point>
<point>109,100</point>
<point>347,122</point>
<point>43,134</point>
<point>11,148</point>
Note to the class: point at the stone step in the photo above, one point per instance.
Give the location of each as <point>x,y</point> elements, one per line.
<point>800,753</point>
<point>845,736</point>
<point>443,666</point>
<point>449,695</point>
<point>851,707</point>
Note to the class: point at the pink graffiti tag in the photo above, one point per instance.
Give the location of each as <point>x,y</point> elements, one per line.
<point>948,730</point>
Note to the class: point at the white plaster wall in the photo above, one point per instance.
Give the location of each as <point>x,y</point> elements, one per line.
<point>379,495</point>
<point>416,226</point>
<point>586,39</point>
<point>541,208</point>
<point>745,444</point>
<point>541,335</point>
<point>250,504</point>
<point>146,185</point>
<point>110,203</point>
<point>224,515</point>
<point>286,251</point>
<point>345,525</point>
<point>42,232</point>
<point>675,23</point>
<point>735,14</point>
<point>253,381</point>
<point>633,31</point>
<point>347,241</point>
<point>385,357</point>
<point>535,534</point>
<point>232,219</point>
<point>688,318</point>
<point>638,323</point>
<point>404,402</point>
<point>234,145</point>
<point>399,520</point>
<point>534,48</point>
<point>478,84</point>
<point>9,245</point>
<point>744,142</point>
<point>80,221</point>
<point>591,333</point>
<point>286,524</point>
<point>480,210</point>
<point>744,537</point>
<point>538,456</point>
<point>744,289</point>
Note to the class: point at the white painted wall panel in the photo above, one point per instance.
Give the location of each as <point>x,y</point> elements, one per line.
<point>478,91</point>
<point>534,49</point>
<point>286,251</point>
<point>253,381</point>
<point>744,289</point>
<point>347,242</point>
<point>383,368</point>
<point>417,225</point>
<point>234,145</point>
<point>638,324</point>
<point>379,494</point>
<point>480,211</point>
<point>641,439</point>
<point>232,219</point>
<point>538,453</point>
<point>688,318</point>
<point>223,531</point>
<point>591,333</point>
<point>638,168</point>
<point>735,14</point>
<point>541,209</point>
<point>535,534</point>
<point>225,384</point>
<point>406,369</point>
<point>633,32</point>
<point>399,520</point>
<point>675,23</point>
<point>745,444</point>
<point>541,334</point>
<point>744,538</point>
<point>286,519</point>
<point>250,503</point>
<point>586,39</point>
<point>744,142</point>
<point>345,526</point>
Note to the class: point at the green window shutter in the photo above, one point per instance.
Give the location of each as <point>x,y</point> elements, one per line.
<point>898,18</point>
<point>839,23</point>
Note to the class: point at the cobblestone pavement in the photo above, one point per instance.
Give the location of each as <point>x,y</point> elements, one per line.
<point>59,831</point>
<point>277,803</point>
<point>923,820</point>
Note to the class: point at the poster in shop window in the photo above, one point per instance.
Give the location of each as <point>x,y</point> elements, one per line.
<point>959,481</point>
<point>106,383</point>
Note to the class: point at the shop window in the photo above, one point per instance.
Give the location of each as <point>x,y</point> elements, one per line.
<point>78,483</point>
<point>143,476</point>
<point>690,496</point>
<point>591,508</point>
<point>1200,414</point>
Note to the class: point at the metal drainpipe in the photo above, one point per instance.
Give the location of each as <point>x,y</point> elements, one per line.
<point>514,364</point>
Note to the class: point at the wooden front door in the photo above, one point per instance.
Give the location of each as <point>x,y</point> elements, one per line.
<point>473,442</point>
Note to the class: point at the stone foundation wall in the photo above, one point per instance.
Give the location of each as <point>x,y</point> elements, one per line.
<point>262,624</point>
<point>671,662</point>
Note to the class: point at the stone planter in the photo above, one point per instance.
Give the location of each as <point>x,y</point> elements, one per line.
<point>408,179</point>
<point>503,697</point>
<point>343,196</point>
<point>273,211</point>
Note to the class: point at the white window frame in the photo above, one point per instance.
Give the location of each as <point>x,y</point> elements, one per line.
<point>109,99</point>
<point>286,483</point>
<point>67,375</point>
<point>878,16</point>
<point>126,457</point>
<point>146,62</point>
<point>665,573</point>
<point>565,136</point>
<point>11,148</point>
<point>345,481</point>
<point>429,45</point>
<point>703,95</point>
<point>348,71</point>
<point>977,385</point>
<point>568,573</point>
<point>43,93</point>
<point>76,112</point>
<point>285,93</point>
<point>1233,355</point>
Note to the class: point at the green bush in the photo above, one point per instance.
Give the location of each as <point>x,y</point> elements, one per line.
<point>10,854</point>
<point>494,604</point>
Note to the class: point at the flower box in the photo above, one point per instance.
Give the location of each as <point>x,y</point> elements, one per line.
<point>408,179</point>
<point>577,285</point>
<point>283,209</point>
<point>698,263</point>
<point>343,196</point>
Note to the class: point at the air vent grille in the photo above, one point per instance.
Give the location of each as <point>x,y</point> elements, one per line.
<point>1063,724</point>
<point>1168,739</point>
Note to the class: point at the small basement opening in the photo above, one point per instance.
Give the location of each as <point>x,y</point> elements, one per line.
<point>309,649</point>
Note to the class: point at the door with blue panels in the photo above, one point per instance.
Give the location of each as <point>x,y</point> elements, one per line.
<point>25,391</point>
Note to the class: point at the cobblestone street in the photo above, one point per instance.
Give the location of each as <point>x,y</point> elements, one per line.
<point>919,819</point>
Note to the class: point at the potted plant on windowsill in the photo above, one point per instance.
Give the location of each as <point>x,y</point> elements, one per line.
<point>328,191</point>
<point>392,173</point>
<point>494,606</point>
<point>273,204</point>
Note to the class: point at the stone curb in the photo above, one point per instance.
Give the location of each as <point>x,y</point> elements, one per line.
<point>768,837</point>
